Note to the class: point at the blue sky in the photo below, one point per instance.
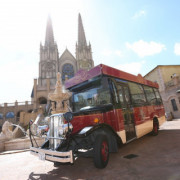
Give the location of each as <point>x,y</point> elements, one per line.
<point>134,36</point>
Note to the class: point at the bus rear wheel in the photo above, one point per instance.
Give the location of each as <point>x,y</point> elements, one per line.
<point>101,152</point>
<point>155,130</point>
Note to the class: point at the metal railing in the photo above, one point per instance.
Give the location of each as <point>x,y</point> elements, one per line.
<point>172,82</point>
<point>16,104</point>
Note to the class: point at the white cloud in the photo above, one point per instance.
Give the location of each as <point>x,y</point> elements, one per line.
<point>133,67</point>
<point>17,80</point>
<point>21,33</point>
<point>119,53</point>
<point>107,52</point>
<point>142,48</point>
<point>112,52</point>
<point>177,49</point>
<point>139,14</point>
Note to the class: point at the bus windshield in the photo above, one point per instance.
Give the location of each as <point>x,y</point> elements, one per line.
<point>90,98</point>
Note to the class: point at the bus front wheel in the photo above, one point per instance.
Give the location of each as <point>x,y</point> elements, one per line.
<point>101,151</point>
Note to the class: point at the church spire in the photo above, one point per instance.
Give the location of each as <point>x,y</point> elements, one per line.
<point>49,33</point>
<point>83,51</point>
<point>81,34</point>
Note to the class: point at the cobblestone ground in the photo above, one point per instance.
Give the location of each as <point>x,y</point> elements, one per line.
<point>158,158</point>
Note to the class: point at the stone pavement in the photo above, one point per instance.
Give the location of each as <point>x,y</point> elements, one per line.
<point>170,125</point>
<point>158,158</point>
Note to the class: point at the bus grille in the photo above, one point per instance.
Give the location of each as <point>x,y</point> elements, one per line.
<point>55,125</point>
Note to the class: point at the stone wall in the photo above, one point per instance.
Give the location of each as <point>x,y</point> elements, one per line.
<point>25,117</point>
<point>19,144</point>
<point>16,108</point>
<point>168,78</point>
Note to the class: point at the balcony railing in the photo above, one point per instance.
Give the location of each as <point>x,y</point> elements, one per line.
<point>175,81</point>
<point>16,104</point>
<point>169,83</point>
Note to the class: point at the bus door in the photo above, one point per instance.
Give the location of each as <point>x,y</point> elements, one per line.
<point>125,100</point>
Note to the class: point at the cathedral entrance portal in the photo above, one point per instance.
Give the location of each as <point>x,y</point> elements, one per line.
<point>42,100</point>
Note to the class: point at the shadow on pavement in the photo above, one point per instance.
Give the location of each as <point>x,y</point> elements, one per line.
<point>157,158</point>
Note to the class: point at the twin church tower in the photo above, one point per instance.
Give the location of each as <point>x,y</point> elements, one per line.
<point>50,63</point>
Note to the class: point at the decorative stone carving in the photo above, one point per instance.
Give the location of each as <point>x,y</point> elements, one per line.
<point>59,96</point>
<point>85,64</point>
<point>53,106</point>
<point>7,132</point>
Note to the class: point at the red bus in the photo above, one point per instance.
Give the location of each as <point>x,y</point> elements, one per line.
<point>110,108</point>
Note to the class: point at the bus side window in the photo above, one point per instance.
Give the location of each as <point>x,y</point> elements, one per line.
<point>114,91</point>
<point>158,97</point>
<point>137,94</point>
<point>150,95</point>
<point>120,92</point>
<point>127,95</point>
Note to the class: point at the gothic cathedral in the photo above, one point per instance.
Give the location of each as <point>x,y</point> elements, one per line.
<point>50,63</point>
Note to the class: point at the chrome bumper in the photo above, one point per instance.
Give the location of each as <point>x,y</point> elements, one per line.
<point>52,155</point>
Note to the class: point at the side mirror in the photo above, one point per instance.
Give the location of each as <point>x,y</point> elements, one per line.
<point>68,116</point>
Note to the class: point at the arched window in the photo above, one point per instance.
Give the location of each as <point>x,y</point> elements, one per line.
<point>10,115</point>
<point>67,70</point>
<point>42,100</point>
<point>30,111</point>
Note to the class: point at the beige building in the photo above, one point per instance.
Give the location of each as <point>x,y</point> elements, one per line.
<point>50,63</point>
<point>168,78</point>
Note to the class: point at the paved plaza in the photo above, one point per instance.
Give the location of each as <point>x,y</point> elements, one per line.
<point>157,158</point>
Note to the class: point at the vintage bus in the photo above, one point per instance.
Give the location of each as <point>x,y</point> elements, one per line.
<point>109,108</point>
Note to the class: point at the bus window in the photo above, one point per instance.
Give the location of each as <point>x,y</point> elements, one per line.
<point>137,93</point>
<point>150,95</point>
<point>127,95</point>
<point>115,97</point>
<point>89,98</point>
<point>120,91</point>
<point>158,97</point>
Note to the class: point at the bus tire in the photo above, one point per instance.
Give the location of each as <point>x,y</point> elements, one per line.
<point>155,130</point>
<point>101,151</point>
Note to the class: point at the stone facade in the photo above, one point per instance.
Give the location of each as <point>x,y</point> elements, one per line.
<point>12,111</point>
<point>50,63</point>
<point>168,78</point>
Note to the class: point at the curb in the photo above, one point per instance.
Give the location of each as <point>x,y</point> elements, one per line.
<point>13,152</point>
